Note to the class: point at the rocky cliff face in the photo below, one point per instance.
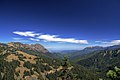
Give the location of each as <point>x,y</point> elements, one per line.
<point>37,47</point>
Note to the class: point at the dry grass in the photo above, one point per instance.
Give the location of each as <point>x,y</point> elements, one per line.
<point>30,58</point>
<point>11,57</point>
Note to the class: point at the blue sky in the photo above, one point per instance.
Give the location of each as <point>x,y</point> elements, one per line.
<point>61,24</point>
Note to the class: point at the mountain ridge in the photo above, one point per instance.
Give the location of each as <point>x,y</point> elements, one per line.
<point>37,47</point>
<point>87,50</point>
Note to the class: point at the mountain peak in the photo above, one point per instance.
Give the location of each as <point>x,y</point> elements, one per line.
<point>37,47</point>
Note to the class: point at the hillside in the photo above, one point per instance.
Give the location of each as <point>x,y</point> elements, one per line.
<point>26,62</point>
<point>36,47</point>
<point>80,53</point>
<point>101,61</point>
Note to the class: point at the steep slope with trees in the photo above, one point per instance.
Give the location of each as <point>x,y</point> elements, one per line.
<point>102,61</point>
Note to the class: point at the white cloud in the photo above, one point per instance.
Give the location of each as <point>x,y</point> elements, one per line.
<point>55,38</point>
<point>19,40</point>
<point>47,37</point>
<point>115,42</point>
<point>98,41</point>
<point>33,39</point>
<point>108,43</point>
<point>27,33</point>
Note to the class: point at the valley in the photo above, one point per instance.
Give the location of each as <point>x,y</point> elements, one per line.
<point>20,61</point>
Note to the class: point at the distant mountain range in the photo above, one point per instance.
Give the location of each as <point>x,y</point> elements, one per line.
<point>67,51</point>
<point>79,53</point>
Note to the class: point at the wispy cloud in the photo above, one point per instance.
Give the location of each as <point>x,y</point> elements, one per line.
<point>27,33</point>
<point>98,41</point>
<point>33,39</point>
<point>114,42</point>
<point>19,40</point>
<point>48,37</point>
<point>55,38</point>
<point>108,43</point>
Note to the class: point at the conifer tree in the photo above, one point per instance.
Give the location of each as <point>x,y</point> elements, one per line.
<point>66,73</point>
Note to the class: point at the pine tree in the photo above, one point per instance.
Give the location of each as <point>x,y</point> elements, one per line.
<point>66,73</point>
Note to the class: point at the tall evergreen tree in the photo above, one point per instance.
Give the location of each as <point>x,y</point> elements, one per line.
<point>66,73</point>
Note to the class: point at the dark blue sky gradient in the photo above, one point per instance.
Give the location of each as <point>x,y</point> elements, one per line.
<point>80,19</point>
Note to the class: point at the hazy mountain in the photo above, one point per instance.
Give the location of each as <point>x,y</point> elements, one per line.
<point>77,54</point>
<point>87,50</point>
<point>112,47</point>
<point>67,51</point>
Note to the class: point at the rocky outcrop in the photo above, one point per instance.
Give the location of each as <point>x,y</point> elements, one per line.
<point>37,47</point>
